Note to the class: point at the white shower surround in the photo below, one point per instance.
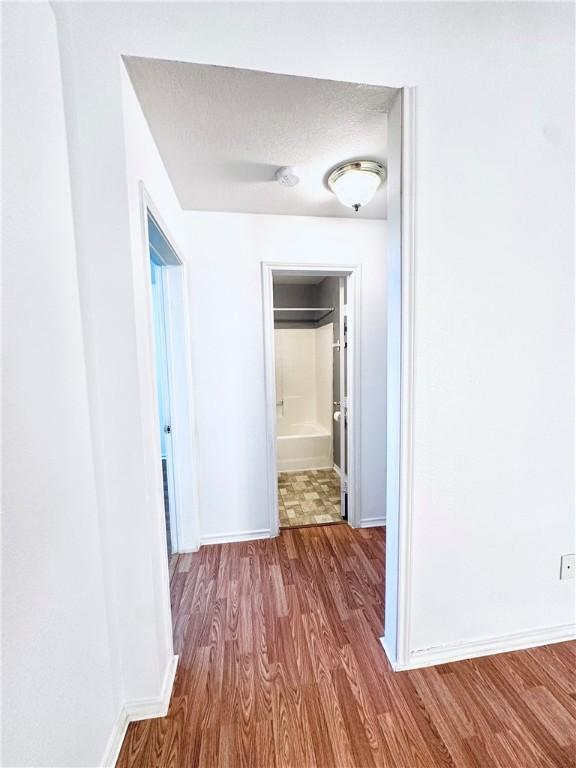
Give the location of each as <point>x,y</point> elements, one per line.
<point>303,362</point>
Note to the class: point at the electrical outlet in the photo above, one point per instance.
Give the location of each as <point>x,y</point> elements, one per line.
<point>567,566</point>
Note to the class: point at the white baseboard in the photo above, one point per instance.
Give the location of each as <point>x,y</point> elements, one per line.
<point>445,654</point>
<point>337,469</point>
<point>142,709</point>
<point>388,653</point>
<point>225,538</point>
<point>372,522</point>
<point>115,740</point>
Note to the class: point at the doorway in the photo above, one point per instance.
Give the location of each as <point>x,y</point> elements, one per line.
<point>168,368</point>
<point>397,107</point>
<point>310,352</point>
<point>162,256</point>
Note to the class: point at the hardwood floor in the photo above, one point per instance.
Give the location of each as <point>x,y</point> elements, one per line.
<point>280,665</point>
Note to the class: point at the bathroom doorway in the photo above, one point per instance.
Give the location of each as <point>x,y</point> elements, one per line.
<point>310,381</point>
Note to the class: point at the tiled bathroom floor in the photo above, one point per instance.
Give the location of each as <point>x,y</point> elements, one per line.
<point>309,497</point>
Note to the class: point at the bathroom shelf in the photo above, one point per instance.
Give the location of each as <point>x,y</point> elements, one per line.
<point>316,313</point>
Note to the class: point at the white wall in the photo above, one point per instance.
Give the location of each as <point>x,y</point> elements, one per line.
<point>115,295</point>
<point>86,605</point>
<point>229,369</point>
<point>60,697</point>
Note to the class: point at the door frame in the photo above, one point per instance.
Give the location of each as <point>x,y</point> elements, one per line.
<point>353,274</point>
<point>342,367</point>
<point>400,391</point>
<point>180,384</point>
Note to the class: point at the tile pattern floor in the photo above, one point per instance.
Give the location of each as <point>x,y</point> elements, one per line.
<point>309,497</point>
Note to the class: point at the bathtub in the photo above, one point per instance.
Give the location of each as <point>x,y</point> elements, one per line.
<point>303,446</point>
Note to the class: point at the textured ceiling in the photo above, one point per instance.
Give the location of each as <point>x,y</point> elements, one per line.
<point>223,132</point>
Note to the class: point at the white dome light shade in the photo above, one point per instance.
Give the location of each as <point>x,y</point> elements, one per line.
<point>356,188</point>
<point>355,184</point>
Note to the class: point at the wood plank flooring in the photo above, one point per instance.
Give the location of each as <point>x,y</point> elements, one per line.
<point>280,665</point>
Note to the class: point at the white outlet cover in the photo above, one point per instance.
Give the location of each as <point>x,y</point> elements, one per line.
<point>567,566</point>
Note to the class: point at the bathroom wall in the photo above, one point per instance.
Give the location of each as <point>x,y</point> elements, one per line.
<point>324,376</point>
<point>323,294</point>
<point>297,296</point>
<point>294,296</point>
<point>303,359</point>
<point>295,361</point>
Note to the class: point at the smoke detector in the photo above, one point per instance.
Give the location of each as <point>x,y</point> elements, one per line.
<point>286,176</point>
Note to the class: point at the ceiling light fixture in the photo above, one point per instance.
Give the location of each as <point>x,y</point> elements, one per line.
<point>356,183</point>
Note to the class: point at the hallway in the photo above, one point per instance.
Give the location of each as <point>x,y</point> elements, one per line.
<point>280,665</point>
